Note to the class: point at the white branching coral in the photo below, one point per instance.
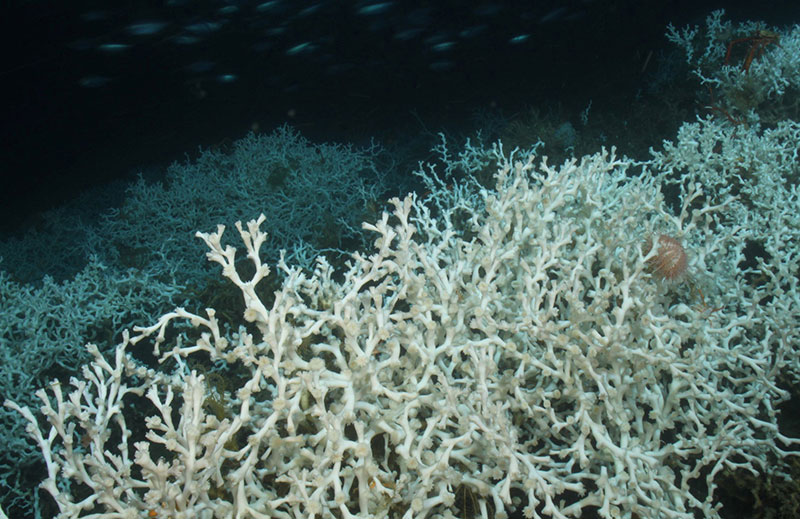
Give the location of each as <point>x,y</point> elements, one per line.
<point>512,347</point>
<point>752,71</point>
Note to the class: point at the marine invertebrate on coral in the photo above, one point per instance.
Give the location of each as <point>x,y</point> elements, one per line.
<point>669,260</point>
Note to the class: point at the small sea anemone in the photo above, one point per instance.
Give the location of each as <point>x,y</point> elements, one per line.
<point>670,261</point>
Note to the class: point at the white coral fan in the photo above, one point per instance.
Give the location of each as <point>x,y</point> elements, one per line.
<point>509,352</point>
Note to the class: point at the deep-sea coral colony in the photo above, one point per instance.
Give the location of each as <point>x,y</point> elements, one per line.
<point>516,358</point>
<point>525,361</point>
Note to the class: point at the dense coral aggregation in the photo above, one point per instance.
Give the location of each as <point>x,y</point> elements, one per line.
<point>523,355</point>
